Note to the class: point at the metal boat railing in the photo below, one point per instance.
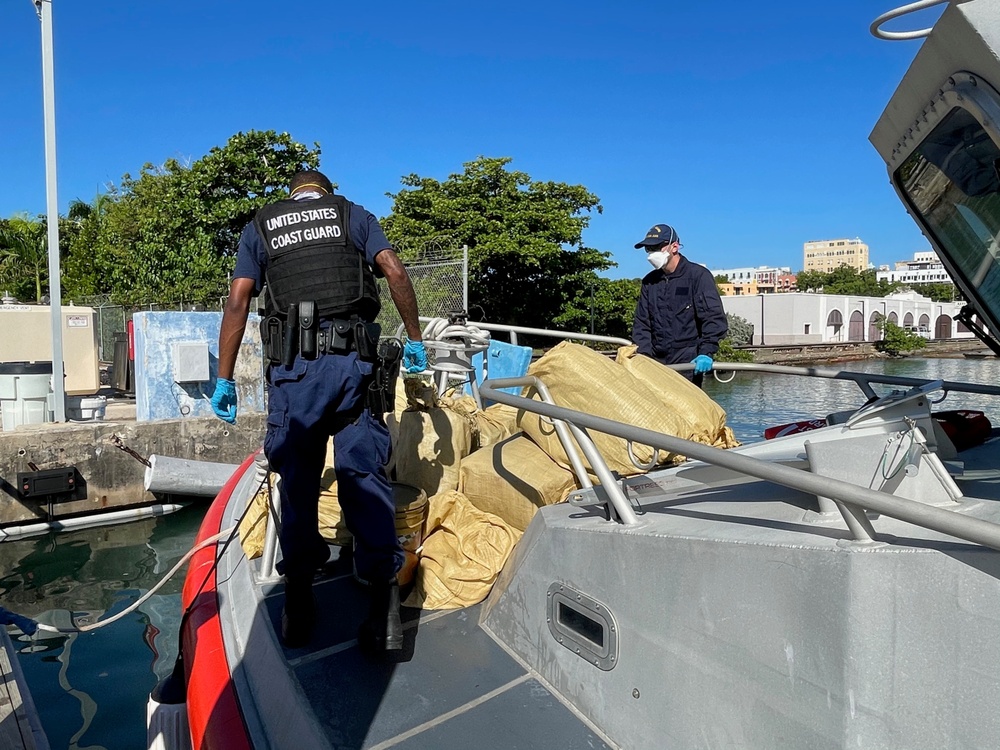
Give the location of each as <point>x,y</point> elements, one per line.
<point>850,499</point>
<point>512,331</point>
<point>863,380</point>
<point>854,497</point>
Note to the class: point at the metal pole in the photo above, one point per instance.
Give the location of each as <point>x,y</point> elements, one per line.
<point>592,308</point>
<point>762,320</point>
<point>44,8</point>
<point>465,278</point>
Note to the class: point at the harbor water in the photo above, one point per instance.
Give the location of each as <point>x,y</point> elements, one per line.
<point>90,689</point>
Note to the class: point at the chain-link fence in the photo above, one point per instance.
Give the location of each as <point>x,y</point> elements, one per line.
<point>439,271</point>
<point>112,319</point>
<point>437,268</point>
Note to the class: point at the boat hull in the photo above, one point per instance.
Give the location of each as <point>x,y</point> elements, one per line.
<point>213,711</point>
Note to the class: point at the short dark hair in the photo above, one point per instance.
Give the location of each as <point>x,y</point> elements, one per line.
<point>310,177</point>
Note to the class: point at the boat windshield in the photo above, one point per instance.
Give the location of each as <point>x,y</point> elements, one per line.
<point>952,180</point>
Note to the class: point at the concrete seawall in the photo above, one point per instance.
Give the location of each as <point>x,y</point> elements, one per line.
<point>114,478</point>
<point>801,354</point>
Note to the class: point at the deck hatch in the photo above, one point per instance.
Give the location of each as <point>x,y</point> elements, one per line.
<point>583,625</point>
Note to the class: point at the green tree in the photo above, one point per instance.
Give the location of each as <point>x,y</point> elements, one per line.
<point>895,340</point>
<point>24,257</point>
<point>527,262</point>
<point>79,240</point>
<point>810,281</point>
<point>938,292</point>
<point>171,233</point>
<point>728,353</point>
<point>721,278</point>
<point>608,303</point>
<point>844,280</point>
<point>740,334</point>
<point>740,330</point>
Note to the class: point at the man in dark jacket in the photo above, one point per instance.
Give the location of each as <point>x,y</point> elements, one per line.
<point>679,317</point>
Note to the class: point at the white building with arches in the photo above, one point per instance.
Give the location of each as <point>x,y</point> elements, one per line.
<point>808,318</point>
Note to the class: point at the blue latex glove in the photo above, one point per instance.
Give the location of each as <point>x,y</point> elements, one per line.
<point>26,625</point>
<point>224,400</point>
<point>414,356</point>
<point>702,363</point>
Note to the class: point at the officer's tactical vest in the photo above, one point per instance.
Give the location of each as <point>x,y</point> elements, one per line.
<point>311,257</point>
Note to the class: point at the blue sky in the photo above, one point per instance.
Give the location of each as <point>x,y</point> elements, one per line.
<point>745,125</point>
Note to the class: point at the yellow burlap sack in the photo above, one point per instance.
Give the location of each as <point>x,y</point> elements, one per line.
<point>513,479</point>
<point>463,553</point>
<point>489,426</point>
<point>399,404</point>
<point>254,523</point>
<point>581,379</point>
<point>496,423</point>
<point>700,419</point>
<point>434,436</point>
<point>418,394</point>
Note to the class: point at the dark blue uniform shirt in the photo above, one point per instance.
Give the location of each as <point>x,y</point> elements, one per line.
<point>251,257</point>
<point>679,315</point>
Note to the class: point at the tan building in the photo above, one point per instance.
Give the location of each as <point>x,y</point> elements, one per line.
<point>825,255</point>
<point>758,280</point>
<point>729,289</point>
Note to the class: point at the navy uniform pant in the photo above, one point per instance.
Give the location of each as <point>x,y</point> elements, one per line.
<point>307,403</point>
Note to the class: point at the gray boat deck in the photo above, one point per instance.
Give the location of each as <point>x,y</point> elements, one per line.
<point>455,686</point>
<point>452,686</point>
<point>20,727</point>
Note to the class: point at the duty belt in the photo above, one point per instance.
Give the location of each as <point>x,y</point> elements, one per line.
<point>338,338</point>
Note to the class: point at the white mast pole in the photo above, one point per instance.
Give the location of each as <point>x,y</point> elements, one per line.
<point>44,8</point>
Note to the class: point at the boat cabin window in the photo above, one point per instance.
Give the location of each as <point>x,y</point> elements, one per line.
<point>952,180</point>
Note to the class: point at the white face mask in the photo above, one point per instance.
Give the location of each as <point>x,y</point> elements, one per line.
<point>658,258</point>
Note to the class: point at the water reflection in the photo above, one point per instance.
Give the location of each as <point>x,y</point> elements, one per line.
<point>755,402</point>
<point>90,688</point>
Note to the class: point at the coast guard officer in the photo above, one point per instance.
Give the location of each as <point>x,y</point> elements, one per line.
<point>316,252</point>
<point>679,317</point>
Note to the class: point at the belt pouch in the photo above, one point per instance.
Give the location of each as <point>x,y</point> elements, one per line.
<point>340,337</point>
<point>308,329</point>
<point>290,343</point>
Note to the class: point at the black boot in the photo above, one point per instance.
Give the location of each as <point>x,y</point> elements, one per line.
<point>383,630</point>
<point>298,618</point>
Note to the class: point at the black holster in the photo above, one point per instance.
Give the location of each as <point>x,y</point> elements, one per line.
<point>382,389</point>
<point>366,336</point>
<point>308,329</point>
<point>272,337</point>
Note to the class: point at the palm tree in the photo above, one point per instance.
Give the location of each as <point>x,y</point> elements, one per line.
<point>23,253</point>
<point>80,210</point>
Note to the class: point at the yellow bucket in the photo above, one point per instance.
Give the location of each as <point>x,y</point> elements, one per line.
<point>411,515</point>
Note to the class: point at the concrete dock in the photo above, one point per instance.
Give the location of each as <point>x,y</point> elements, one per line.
<point>20,727</point>
<point>108,457</point>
